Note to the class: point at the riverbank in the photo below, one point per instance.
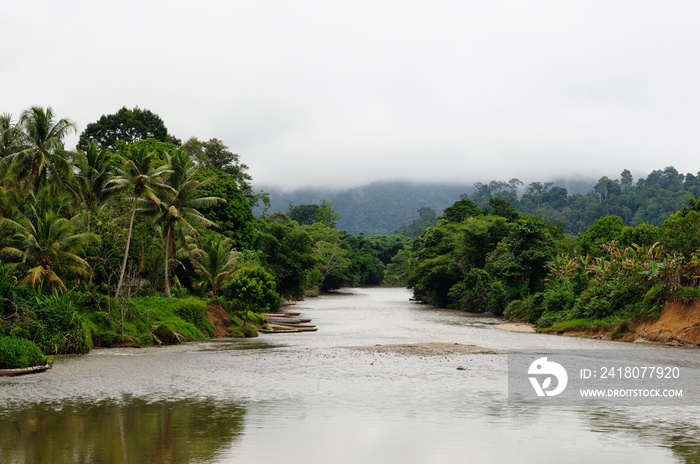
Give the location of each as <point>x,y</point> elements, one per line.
<point>521,327</point>
<point>678,324</point>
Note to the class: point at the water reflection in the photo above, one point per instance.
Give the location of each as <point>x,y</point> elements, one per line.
<point>333,396</point>
<point>663,426</point>
<point>129,431</point>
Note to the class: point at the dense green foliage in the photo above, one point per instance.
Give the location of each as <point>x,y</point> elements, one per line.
<point>91,239</point>
<point>125,126</point>
<point>233,217</point>
<point>426,218</point>
<point>213,154</point>
<point>252,288</point>
<point>18,353</point>
<point>383,207</point>
<point>650,200</point>
<point>526,269</point>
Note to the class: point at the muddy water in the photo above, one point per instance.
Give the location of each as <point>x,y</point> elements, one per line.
<point>332,396</point>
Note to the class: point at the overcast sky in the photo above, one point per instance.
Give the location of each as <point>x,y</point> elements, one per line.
<point>330,93</point>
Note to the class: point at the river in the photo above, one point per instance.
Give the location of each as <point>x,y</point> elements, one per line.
<point>332,396</point>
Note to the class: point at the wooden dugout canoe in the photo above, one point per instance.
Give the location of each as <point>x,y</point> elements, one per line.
<point>24,370</point>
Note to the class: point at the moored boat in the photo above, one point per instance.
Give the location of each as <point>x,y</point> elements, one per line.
<point>284,320</point>
<point>24,370</point>
<point>295,328</point>
<point>272,331</point>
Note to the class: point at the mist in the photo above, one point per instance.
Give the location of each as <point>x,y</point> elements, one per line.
<point>319,94</point>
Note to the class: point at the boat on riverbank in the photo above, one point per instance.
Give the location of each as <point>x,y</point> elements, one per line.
<point>273,331</point>
<point>281,322</point>
<point>24,370</point>
<point>300,328</point>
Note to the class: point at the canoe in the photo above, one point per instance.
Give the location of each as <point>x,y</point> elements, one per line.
<point>24,370</point>
<point>280,314</point>
<point>273,331</point>
<point>294,328</point>
<point>283,320</point>
<point>304,328</point>
<point>307,329</point>
<point>290,326</point>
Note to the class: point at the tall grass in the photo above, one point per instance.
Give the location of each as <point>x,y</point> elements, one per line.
<point>18,352</point>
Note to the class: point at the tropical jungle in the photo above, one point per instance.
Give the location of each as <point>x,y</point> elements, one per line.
<point>133,237</point>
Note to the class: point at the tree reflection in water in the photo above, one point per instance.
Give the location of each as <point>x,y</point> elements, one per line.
<point>128,431</point>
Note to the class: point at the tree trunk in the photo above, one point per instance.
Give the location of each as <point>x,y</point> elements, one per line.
<point>32,178</point>
<point>167,247</point>
<point>126,252</point>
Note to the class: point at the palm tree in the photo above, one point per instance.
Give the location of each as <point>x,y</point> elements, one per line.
<point>94,176</point>
<point>137,171</point>
<point>41,147</point>
<point>9,135</point>
<point>177,207</point>
<point>46,244</point>
<point>215,261</point>
<point>10,197</point>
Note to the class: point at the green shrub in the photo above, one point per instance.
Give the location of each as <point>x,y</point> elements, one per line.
<point>195,312</point>
<point>557,303</point>
<point>56,326</point>
<point>479,292</point>
<point>252,288</point>
<point>187,316</point>
<point>249,331</point>
<point>236,333</point>
<point>105,339</point>
<point>576,324</point>
<point>12,295</point>
<point>685,294</point>
<point>19,352</point>
<point>517,310</point>
<point>527,310</point>
<point>166,334</point>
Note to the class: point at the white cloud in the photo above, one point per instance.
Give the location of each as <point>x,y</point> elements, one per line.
<point>331,93</point>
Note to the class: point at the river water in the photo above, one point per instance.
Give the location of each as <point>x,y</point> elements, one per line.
<point>332,396</point>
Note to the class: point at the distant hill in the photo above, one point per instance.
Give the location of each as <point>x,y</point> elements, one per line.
<point>375,209</point>
<point>575,202</point>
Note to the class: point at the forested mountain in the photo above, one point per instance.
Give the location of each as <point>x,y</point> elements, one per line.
<point>575,203</point>
<point>375,209</point>
<point>649,199</point>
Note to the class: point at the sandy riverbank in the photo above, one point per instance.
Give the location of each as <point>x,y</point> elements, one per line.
<point>522,327</point>
<point>679,324</point>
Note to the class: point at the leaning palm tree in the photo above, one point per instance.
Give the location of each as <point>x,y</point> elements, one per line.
<point>46,245</point>
<point>40,151</point>
<point>177,210</point>
<point>138,172</point>
<point>215,261</point>
<point>93,177</point>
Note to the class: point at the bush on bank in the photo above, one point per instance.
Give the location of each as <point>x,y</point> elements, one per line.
<point>18,352</point>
